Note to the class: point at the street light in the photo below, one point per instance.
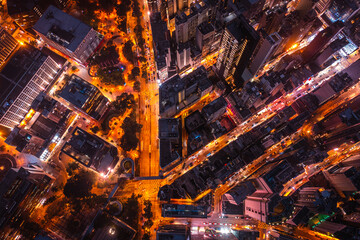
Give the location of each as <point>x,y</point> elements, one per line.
<point>112,231</point>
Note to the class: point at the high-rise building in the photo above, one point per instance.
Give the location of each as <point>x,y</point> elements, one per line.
<point>85,97</point>
<point>171,8</point>
<point>267,206</point>
<point>345,179</point>
<point>27,73</point>
<point>161,43</point>
<point>182,4</point>
<point>204,37</point>
<point>68,35</point>
<point>321,6</point>
<point>232,202</point>
<point>330,51</point>
<point>317,199</point>
<point>266,50</point>
<point>21,191</point>
<point>153,6</point>
<point>256,205</point>
<point>237,46</point>
<point>337,230</point>
<point>183,56</point>
<point>340,10</point>
<point>321,40</point>
<point>7,45</point>
<point>186,25</point>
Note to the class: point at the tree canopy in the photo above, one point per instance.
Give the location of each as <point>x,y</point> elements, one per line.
<point>130,211</point>
<point>128,52</point>
<point>111,76</point>
<point>136,86</point>
<point>129,140</point>
<point>123,102</point>
<point>79,185</point>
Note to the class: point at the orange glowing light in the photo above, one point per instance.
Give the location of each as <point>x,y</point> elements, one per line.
<point>294,46</point>
<point>23,123</point>
<point>30,114</point>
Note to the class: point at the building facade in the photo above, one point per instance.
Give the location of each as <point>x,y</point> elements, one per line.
<point>265,52</point>
<point>23,78</point>
<point>236,47</point>
<point>7,45</point>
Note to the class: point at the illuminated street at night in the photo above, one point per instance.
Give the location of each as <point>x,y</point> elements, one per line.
<point>182,120</point>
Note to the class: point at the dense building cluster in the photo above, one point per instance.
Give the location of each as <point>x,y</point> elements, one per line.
<point>177,119</point>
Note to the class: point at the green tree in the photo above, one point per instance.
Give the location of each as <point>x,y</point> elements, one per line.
<point>107,5</point>
<point>148,224</point>
<point>142,59</point>
<point>79,185</point>
<point>95,129</point>
<point>136,9</point>
<point>136,86</point>
<point>129,141</point>
<point>146,236</point>
<point>33,43</point>
<point>122,25</point>
<point>111,77</point>
<point>135,71</point>
<point>148,214</point>
<point>130,125</point>
<point>72,167</point>
<point>130,211</point>
<point>56,208</point>
<point>123,102</point>
<point>128,52</point>
<point>144,74</point>
<point>50,200</point>
<point>123,8</point>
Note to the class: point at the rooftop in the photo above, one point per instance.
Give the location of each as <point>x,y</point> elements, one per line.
<point>170,137</point>
<point>91,151</point>
<point>172,232</point>
<point>213,107</point>
<point>205,28</point>
<point>62,28</point>
<point>84,96</point>
<point>241,29</point>
<point>169,128</point>
<point>191,83</point>
<point>194,121</point>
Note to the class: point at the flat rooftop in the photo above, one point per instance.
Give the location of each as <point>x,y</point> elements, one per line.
<point>91,151</point>
<point>84,96</point>
<point>62,28</point>
<point>77,91</point>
